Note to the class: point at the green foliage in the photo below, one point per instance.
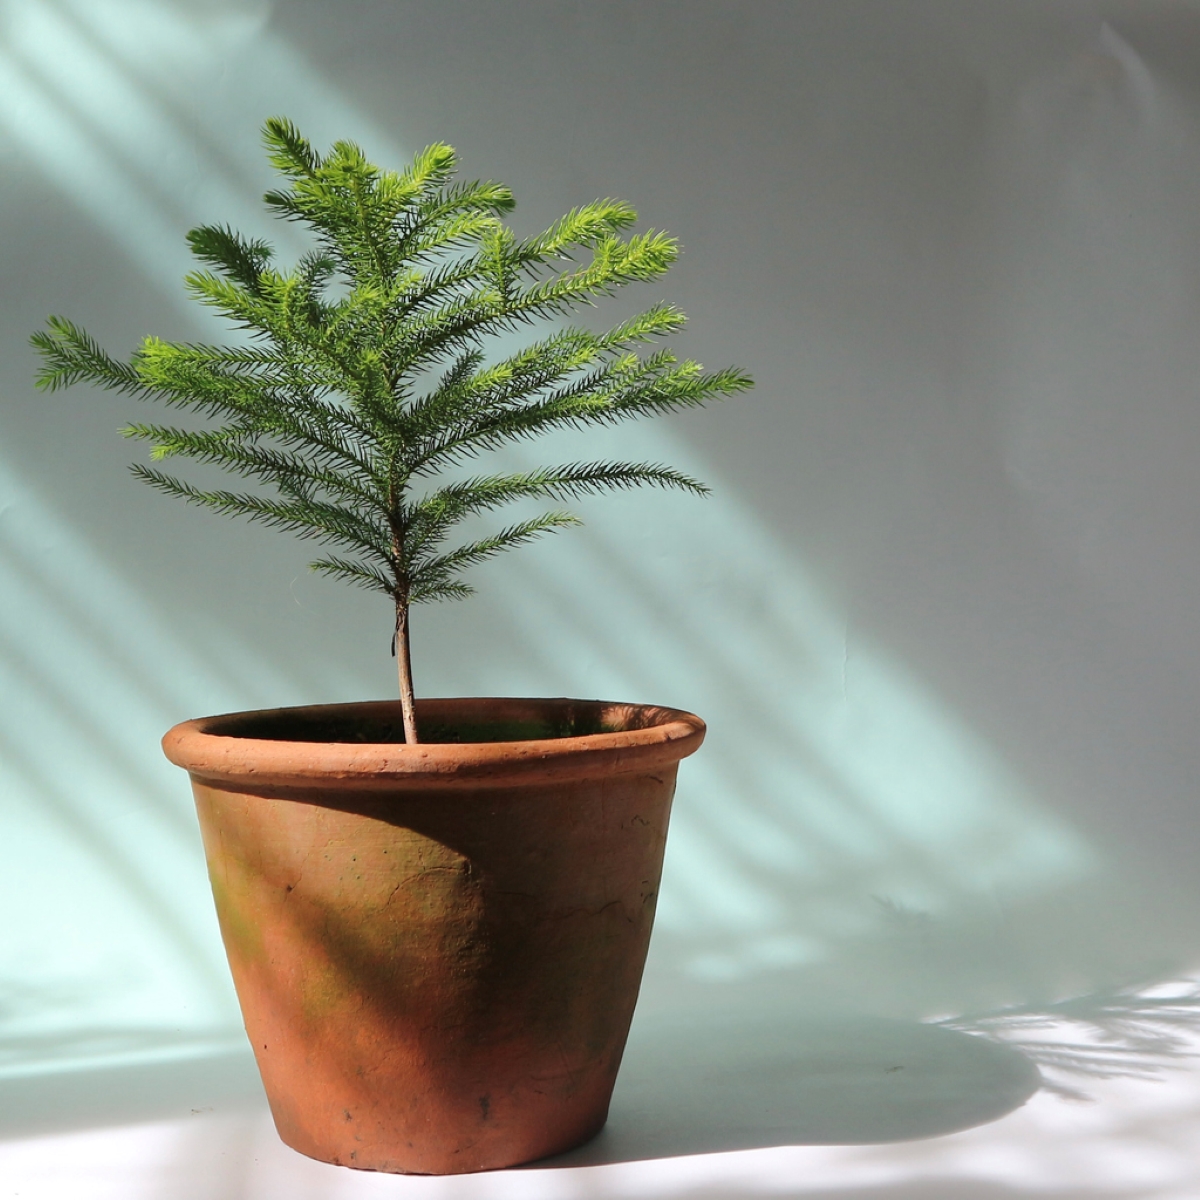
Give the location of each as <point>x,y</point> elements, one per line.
<point>364,378</point>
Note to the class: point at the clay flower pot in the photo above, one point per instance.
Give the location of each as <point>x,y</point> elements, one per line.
<point>437,947</point>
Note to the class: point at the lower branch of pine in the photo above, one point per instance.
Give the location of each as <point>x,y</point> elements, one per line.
<point>404,671</point>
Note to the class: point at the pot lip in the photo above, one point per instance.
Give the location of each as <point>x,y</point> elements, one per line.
<point>650,738</point>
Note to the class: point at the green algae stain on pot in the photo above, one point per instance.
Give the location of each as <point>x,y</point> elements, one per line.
<point>240,932</point>
<point>231,894</point>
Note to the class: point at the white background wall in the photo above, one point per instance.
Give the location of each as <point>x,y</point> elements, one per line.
<point>940,613</point>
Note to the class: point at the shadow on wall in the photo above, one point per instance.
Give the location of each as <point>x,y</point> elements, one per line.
<point>112,955</point>
<point>839,824</point>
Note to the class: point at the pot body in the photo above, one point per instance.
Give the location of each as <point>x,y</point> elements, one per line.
<point>437,959</point>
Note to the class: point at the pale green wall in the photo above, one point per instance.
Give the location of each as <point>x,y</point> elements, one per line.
<point>938,613</point>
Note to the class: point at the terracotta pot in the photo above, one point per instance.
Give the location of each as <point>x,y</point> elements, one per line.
<point>437,947</point>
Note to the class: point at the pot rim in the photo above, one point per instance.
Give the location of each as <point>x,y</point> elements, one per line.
<point>647,738</point>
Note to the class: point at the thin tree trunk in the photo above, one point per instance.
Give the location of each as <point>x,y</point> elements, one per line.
<point>404,670</point>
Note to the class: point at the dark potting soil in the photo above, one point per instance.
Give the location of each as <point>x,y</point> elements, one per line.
<point>384,729</point>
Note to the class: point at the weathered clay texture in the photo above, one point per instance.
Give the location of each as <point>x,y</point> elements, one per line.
<point>438,947</point>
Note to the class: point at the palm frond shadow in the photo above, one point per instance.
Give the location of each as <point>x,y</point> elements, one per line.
<point>1133,1032</point>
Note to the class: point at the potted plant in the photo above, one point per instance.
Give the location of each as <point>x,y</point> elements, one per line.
<point>436,912</point>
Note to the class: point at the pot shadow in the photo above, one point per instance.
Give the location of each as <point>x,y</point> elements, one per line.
<point>717,1081</point>
<point>57,1101</point>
